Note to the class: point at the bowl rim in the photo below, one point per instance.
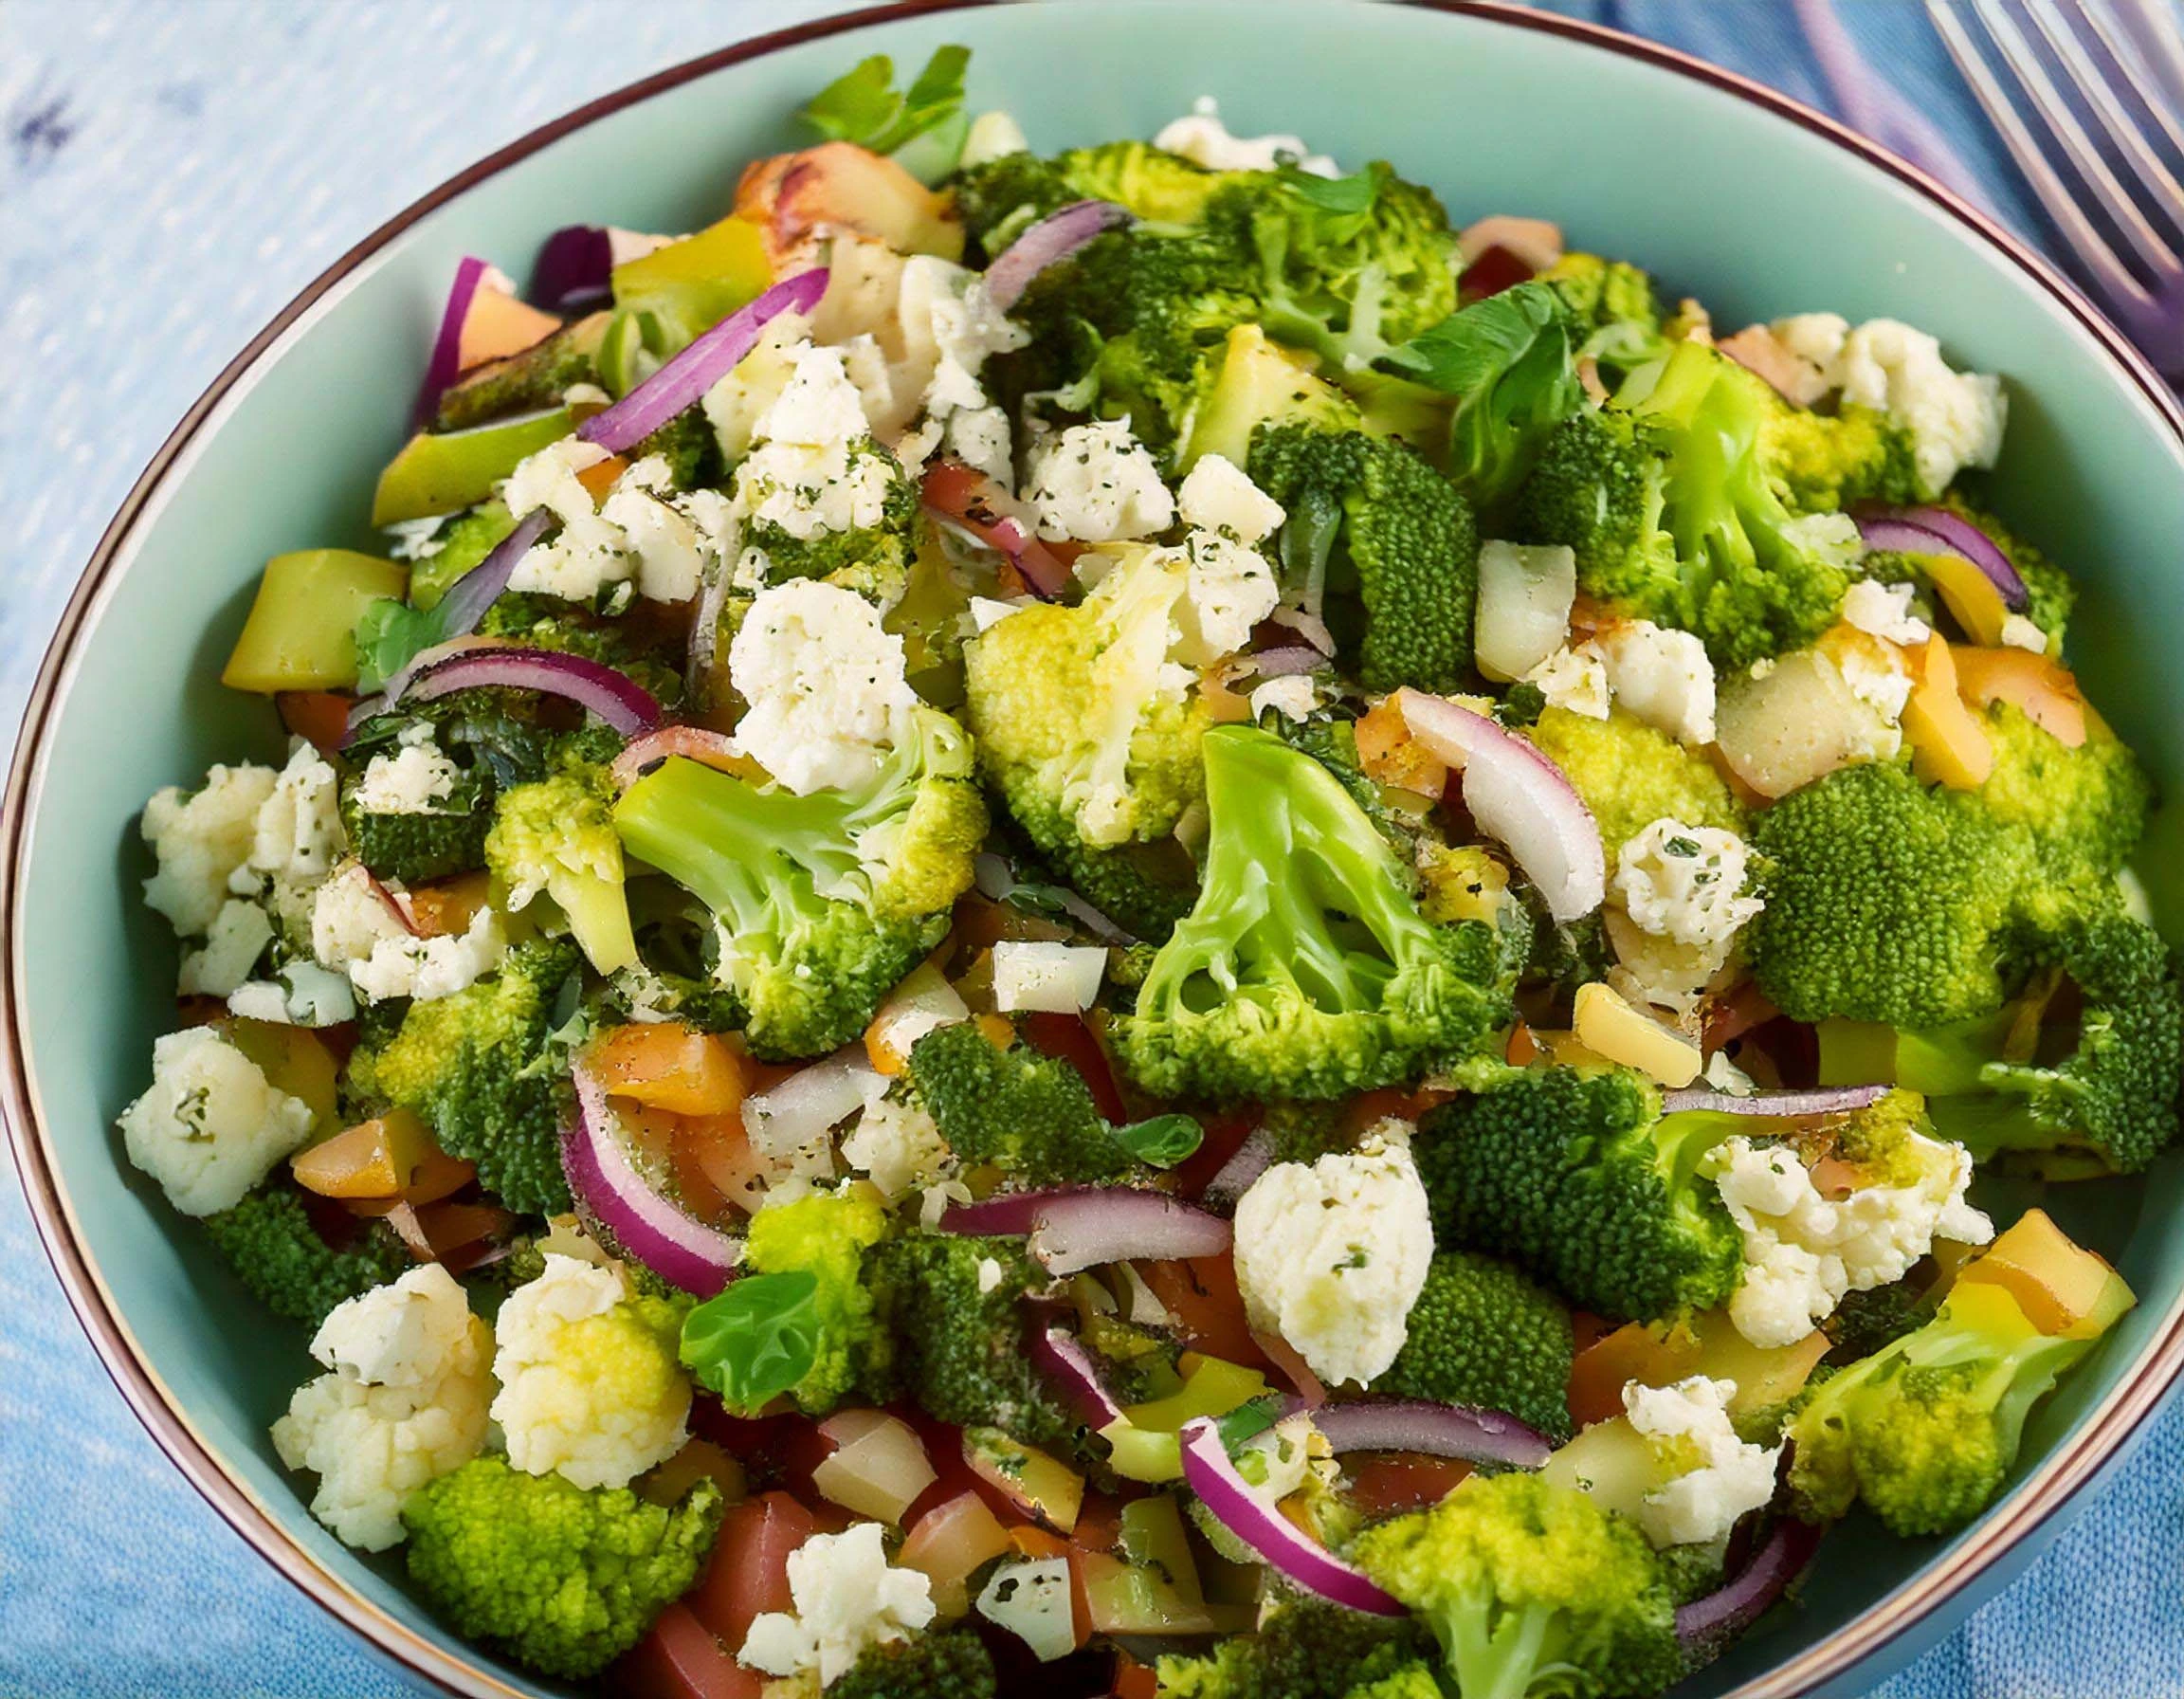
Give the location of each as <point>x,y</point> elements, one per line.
<point>2100,1435</point>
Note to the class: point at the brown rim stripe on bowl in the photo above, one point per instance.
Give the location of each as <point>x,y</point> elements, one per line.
<point>2032,1502</point>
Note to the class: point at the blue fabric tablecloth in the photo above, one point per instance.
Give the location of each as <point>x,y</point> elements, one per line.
<point>170,175</point>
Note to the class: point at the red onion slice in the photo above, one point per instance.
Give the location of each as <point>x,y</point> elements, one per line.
<point>967,497</point>
<point>1082,1227</point>
<point>1437,1429</point>
<point>1049,242</point>
<point>1227,1188</point>
<point>1779,1105</point>
<point>614,1198</point>
<point>1936,531</point>
<point>572,267</point>
<point>698,367</point>
<point>615,698</point>
<point>446,363</point>
<point>1728,1611</point>
<point>1207,1471</point>
<point>1062,1356</point>
<point>1520,797</point>
<point>694,742</point>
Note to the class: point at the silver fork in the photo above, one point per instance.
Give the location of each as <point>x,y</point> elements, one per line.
<point>2110,139</point>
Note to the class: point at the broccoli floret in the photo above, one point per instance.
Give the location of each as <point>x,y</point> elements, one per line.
<point>1306,970</point>
<point>1867,1321</point>
<point>463,542</point>
<point>1924,1431</point>
<point>997,199</point>
<point>960,1350</point>
<point>1631,775</point>
<point>1824,462</point>
<point>1384,543</point>
<point>474,1065</point>
<point>413,848</point>
<point>1305,1650</point>
<point>562,1579</point>
<point>1575,1175</point>
<point>1030,1116</point>
<point>940,1664</point>
<point>524,382</point>
<point>2086,804</point>
<point>1411,1681</point>
<point>1532,1590</point>
<point>276,1250</point>
<point>1086,740</point>
<point>1615,307</point>
<point>1482,1334</point>
<point>1671,504</point>
<point>825,1236</point>
<point>873,561</point>
<point>824,902</point>
<point>556,838</point>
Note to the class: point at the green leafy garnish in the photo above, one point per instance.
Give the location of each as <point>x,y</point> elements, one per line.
<point>755,1340</point>
<point>1163,1140</point>
<point>391,634</point>
<point>1352,195</point>
<point>1247,1421</point>
<point>862,106</point>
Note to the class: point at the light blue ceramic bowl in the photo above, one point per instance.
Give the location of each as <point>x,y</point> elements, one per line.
<point>1732,192</point>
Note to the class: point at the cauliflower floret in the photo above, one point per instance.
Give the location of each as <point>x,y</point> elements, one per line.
<point>1575,679</point>
<point>588,551</point>
<point>590,1384</point>
<point>1660,675</point>
<point>826,684</point>
<point>297,831</point>
<point>238,937</point>
<point>405,1402</point>
<point>1293,696</point>
<point>897,1145</point>
<point>1956,418</point>
<point>201,838</point>
<point>847,1600</point>
<point>1686,883</point>
<point>1884,610</point>
<point>1719,1477</point>
<point>1803,1252</point>
<point>1098,484</point>
<point>1331,1256</point>
<point>211,1126</point>
<point>1218,496</point>
<point>426,969</point>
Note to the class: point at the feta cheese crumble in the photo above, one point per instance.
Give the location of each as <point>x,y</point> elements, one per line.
<point>1575,679</point>
<point>418,778</point>
<point>1097,482</point>
<point>1331,1256</point>
<point>825,682</point>
<point>1884,610</point>
<point>1955,418</point>
<point>898,1147</point>
<point>1660,676</point>
<point>1204,139</point>
<point>1720,1477</point>
<point>1216,495</point>
<point>296,834</point>
<point>1686,883</point>
<point>2020,633</point>
<point>847,1600</point>
<point>211,1126</point>
<point>1293,696</point>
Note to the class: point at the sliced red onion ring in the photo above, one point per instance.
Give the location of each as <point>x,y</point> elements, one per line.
<point>1207,1471</point>
<point>614,1198</point>
<point>1779,1105</point>
<point>698,367</point>
<point>1936,531</point>
<point>1733,1608</point>
<point>446,363</point>
<point>1237,1173</point>
<point>969,498</point>
<point>615,698</point>
<point>1050,241</point>
<point>1062,1356</point>
<point>572,267</point>
<point>477,589</point>
<point>1438,1430</point>
<point>1520,797</point>
<point>1288,661</point>
<point>707,748</point>
<point>1082,1227</point>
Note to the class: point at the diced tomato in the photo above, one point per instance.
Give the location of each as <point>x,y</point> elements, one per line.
<point>1224,1133</point>
<point>1388,1482</point>
<point>1134,1680</point>
<point>748,1574</point>
<point>664,1065</point>
<point>1632,1352</point>
<point>1066,1038</point>
<point>1200,1292</point>
<point>1493,271</point>
<point>680,1659</point>
<point>319,717</point>
<point>966,496</point>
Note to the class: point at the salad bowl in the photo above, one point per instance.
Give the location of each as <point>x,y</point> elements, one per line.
<point>1496,109</point>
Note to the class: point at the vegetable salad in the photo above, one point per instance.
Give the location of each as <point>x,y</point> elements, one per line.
<point>1130,921</point>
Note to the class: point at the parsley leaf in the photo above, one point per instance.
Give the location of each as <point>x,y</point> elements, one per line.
<point>389,634</point>
<point>862,106</point>
<point>755,1340</point>
<point>1162,1142</point>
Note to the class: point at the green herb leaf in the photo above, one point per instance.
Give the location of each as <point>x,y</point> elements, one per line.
<point>1351,196</point>
<point>755,1340</point>
<point>389,634</point>
<point>1163,1140</point>
<point>1247,1421</point>
<point>862,106</point>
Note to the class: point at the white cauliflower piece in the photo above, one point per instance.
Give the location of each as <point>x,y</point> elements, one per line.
<point>847,1600</point>
<point>1216,495</point>
<point>211,1126</point>
<point>1716,1478</point>
<point>1956,419</point>
<point>590,1384</point>
<point>1660,676</point>
<point>404,1403</point>
<point>825,682</point>
<point>200,839</point>
<point>298,833</point>
<point>1097,482</point>
<point>1230,588</point>
<point>1331,1256</point>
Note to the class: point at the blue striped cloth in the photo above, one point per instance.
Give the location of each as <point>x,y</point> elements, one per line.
<point>164,191</point>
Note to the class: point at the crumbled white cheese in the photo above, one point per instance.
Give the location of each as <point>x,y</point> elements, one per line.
<point>847,1600</point>
<point>1885,611</point>
<point>1204,139</point>
<point>588,553</point>
<point>2020,633</point>
<point>815,469</point>
<point>1050,978</point>
<point>1803,1252</point>
<point>989,1274</point>
<point>1229,590</point>
<point>296,834</point>
<point>1331,1256</point>
<point>1293,696</point>
<point>238,937</point>
<point>897,1145</point>
<point>301,995</point>
<point>417,778</point>
<point>826,684</point>
<point>1660,675</point>
<point>200,839</point>
<point>426,969</point>
<point>1720,1479</point>
<point>1097,482</point>
<point>667,544</point>
<point>416,540</point>
<point>1687,883</point>
<point>351,914</point>
<point>986,612</point>
<point>1879,676</point>
<point>211,1126</point>
<point>1956,419</point>
<point>1575,679</point>
<point>1216,495</point>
